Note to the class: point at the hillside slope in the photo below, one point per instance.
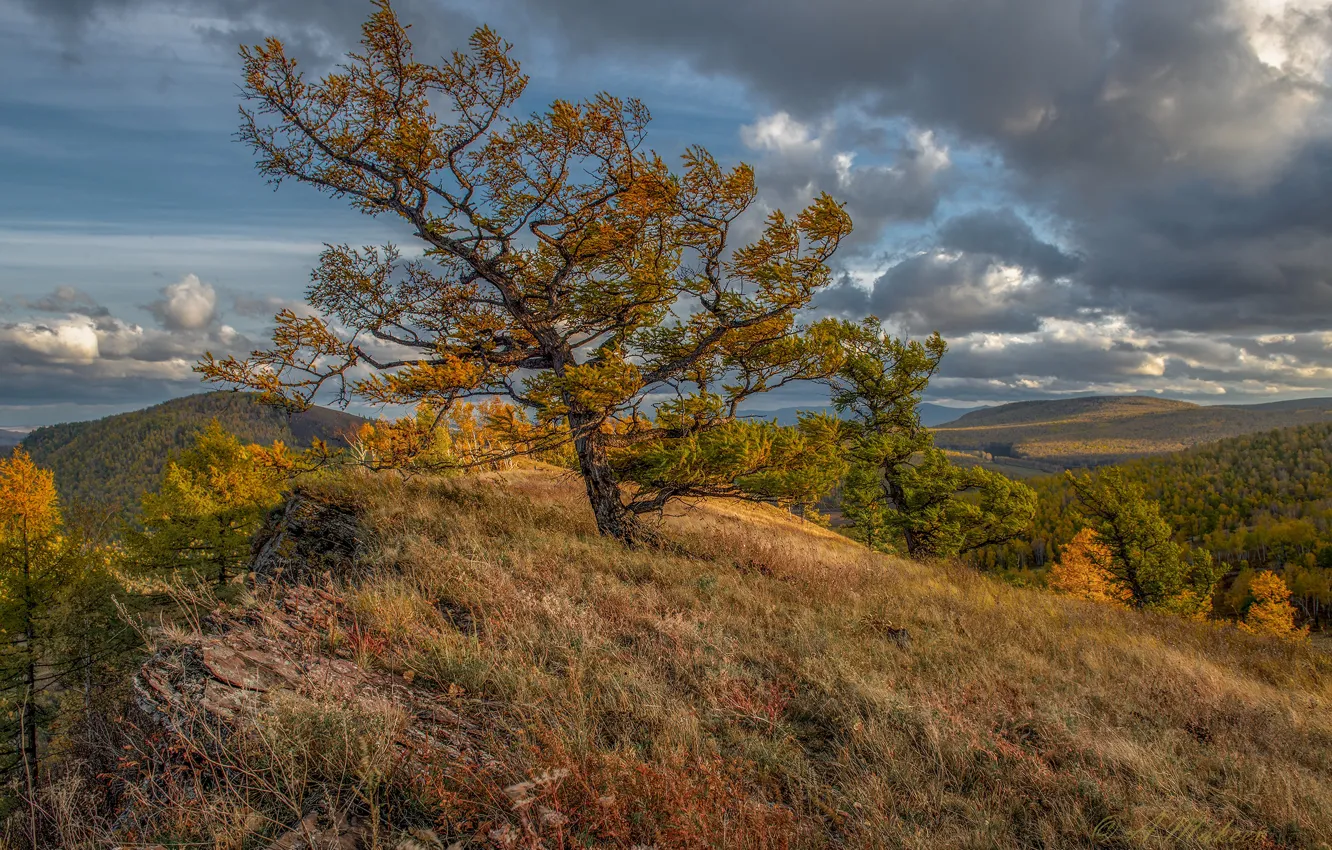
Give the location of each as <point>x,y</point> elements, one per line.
<point>114,460</point>
<point>512,680</point>
<point>1093,431</point>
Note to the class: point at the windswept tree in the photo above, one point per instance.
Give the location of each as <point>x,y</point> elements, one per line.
<point>1145,563</point>
<point>565,266</point>
<point>900,487</point>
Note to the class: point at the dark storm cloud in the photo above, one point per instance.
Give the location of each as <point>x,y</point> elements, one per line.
<point>989,273</point>
<point>67,299</point>
<point>958,295</point>
<point>1176,143</point>
<point>1057,83</point>
<point>1198,255</point>
<point>1005,236</point>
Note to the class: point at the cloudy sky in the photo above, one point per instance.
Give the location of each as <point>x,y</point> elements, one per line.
<point>1083,196</point>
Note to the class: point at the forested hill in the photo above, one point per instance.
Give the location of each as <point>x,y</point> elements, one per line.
<point>1264,500</point>
<point>114,460</point>
<point>1094,431</point>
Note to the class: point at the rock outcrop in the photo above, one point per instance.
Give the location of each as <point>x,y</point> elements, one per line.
<point>199,690</point>
<point>308,536</point>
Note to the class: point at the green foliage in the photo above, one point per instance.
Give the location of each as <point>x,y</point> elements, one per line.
<point>212,499</point>
<point>114,461</point>
<point>940,510</point>
<point>1144,560</point>
<point>865,508</point>
<point>746,459</point>
<point>901,488</point>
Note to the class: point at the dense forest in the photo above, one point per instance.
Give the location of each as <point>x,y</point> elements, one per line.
<point>112,461</point>
<point>1261,501</point>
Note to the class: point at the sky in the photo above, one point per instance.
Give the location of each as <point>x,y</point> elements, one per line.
<point>1083,196</point>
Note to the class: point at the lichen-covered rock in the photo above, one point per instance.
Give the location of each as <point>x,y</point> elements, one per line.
<point>308,536</point>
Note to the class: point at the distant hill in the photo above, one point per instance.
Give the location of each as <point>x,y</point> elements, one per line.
<point>930,414</point>
<point>1106,429</point>
<point>9,439</point>
<point>116,459</point>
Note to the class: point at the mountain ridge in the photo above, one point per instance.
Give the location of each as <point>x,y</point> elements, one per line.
<point>931,415</point>
<point>113,460</point>
<point>1095,430</point>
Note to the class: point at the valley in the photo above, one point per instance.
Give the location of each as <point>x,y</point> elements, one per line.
<point>1094,431</point>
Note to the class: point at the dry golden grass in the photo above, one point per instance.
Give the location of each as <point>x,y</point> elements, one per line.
<point>747,687</point>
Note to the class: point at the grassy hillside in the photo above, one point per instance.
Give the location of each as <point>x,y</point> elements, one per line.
<point>114,460</point>
<point>1093,431</point>
<point>764,683</point>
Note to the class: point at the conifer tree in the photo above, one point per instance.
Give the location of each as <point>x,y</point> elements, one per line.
<point>56,616</point>
<point>1083,570</point>
<point>566,267</point>
<point>211,501</point>
<point>901,487</point>
<point>1271,612</point>
<point>1144,561</point>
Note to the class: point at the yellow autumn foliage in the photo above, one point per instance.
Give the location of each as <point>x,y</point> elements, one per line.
<point>1081,571</point>
<point>29,506</point>
<point>1271,613</point>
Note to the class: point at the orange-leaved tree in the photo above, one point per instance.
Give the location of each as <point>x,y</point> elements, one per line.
<point>566,267</point>
<point>30,561</point>
<point>1083,570</point>
<point>1271,612</point>
<point>57,622</point>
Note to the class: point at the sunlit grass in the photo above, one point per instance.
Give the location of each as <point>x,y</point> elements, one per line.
<point>746,686</point>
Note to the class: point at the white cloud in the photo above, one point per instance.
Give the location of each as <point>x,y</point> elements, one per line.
<point>74,341</point>
<point>884,172</point>
<point>189,304</point>
<point>779,132</point>
<point>103,356</point>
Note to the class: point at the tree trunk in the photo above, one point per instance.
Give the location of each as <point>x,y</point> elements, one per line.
<point>895,495</point>
<point>603,492</point>
<point>28,745</point>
